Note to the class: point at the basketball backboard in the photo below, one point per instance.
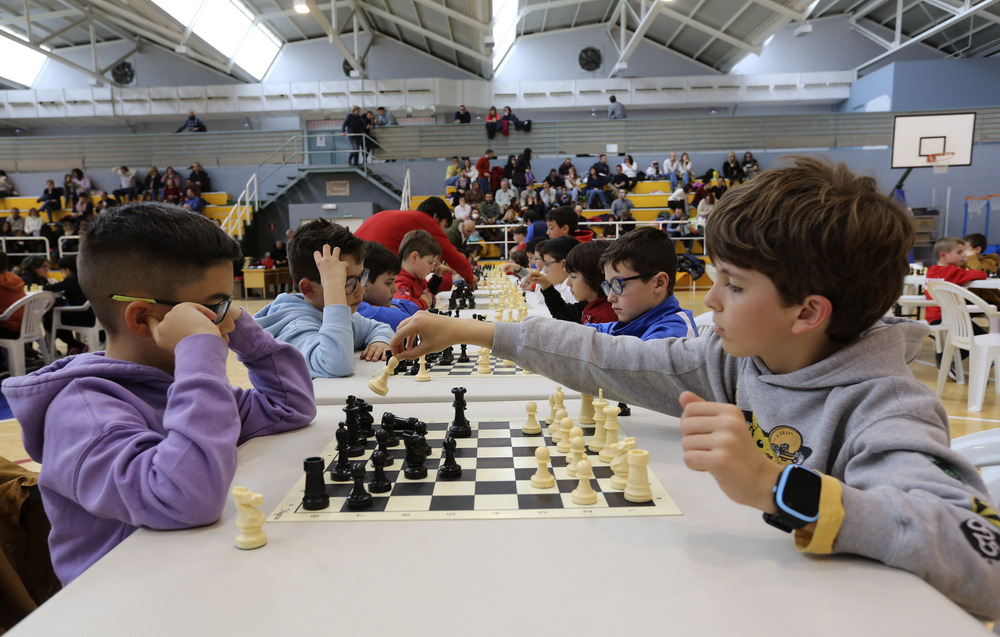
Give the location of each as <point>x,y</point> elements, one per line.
<point>920,141</point>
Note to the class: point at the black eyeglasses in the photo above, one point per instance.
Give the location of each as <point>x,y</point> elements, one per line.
<point>617,285</point>
<point>548,263</point>
<point>220,309</point>
<point>352,282</point>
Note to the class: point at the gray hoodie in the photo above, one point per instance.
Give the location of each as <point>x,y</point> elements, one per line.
<point>858,416</point>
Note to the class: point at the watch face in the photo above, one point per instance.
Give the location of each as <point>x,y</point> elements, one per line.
<point>800,493</point>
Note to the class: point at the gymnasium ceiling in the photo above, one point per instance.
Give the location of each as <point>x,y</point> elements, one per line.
<point>716,34</point>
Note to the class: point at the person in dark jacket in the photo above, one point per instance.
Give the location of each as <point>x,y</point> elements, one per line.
<point>354,127</point>
<point>521,167</point>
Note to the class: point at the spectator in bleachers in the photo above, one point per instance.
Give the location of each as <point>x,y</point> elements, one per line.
<point>687,169</point>
<point>171,186</point>
<point>82,182</point>
<point>104,202</point>
<point>622,206</point>
<point>553,179</point>
<point>513,214</point>
<point>469,169</point>
<point>679,197</point>
<point>616,110</point>
<point>522,169</point>
<point>492,122</point>
<point>191,185</point>
<point>483,169</point>
<point>718,187</point>
<point>672,169</point>
<point>621,181</point>
<point>153,183</point>
<point>200,178</point>
<point>574,184</point>
<point>602,167</point>
<point>192,124</point>
<point>462,185</point>
<point>354,128</point>
<point>453,172</point>
<point>51,198</point>
<point>505,195</point>
<point>193,201</point>
<point>511,119</point>
<point>508,168</point>
<point>7,188</point>
<point>462,116</point>
<point>5,230</point>
<point>706,205</point>
<point>732,170</point>
<point>632,170</point>
<point>34,270</point>
<point>750,165</point>
<point>81,213</point>
<point>565,167</point>
<point>595,189</point>
<point>128,190</point>
<point>653,173</point>
<point>33,223</point>
<point>385,118</point>
<point>490,211</point>
<point>564,198</point>
<point>547,195</point>
<point>463,210</point>
<point>475,195</point>
<point>459,232</point>
<point>69,191</point>
<point>16,223</point>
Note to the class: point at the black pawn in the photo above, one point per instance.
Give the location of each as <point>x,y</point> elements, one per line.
<point>382,437</point>
<point>463,356</point>
<point>379,483</point>
<point>341,472</point>
<point>472,300</point>
<point>449,470</point>
<point>389,424</point>
<point>460,427</point>
<point>625,410</point>
<point>359,498</point>
<point>315,497</point>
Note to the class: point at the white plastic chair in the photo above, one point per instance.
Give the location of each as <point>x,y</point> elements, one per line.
<point>983,450</point>
<point>704,322</point>
<point>35,306</point>
<point>984,349</point>
<point>90,334</point>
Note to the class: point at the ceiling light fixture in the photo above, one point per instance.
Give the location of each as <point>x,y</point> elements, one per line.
<point>300,6</point>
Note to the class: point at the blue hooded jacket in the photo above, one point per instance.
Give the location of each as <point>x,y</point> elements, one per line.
<point>663,321</point>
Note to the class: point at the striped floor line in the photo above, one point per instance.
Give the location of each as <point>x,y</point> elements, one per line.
<point>973,419</point>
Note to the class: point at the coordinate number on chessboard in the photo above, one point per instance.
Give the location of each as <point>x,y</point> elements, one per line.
<point>484,468</point>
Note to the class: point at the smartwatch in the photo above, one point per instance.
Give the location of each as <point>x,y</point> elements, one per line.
<point>796,498</point>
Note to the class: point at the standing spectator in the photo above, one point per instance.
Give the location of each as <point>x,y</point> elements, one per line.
<point>369,139</point>
<point>453,172</point>
<point>385,118</point>
<point>200,178</point>
<point>732,170</point>
<point>193,201</point>
<point>192,124</point>
<point>508,168</point>
<point>354,128</point>
<point>521,169</point>
<point>750,165</point>
<point>128,188</point>
<point>153,183</point>
<point>51,198</point>
<point>462,116</point>
<point>483,169</point>
<point>621,206</point>
<point>7,188</point>
<point>616,110</point>
<point>492,122</point>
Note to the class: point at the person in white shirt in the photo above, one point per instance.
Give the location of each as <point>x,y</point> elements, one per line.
<point>547,195</point>
<point>672,169</point>
<point>505,195</point>
<point>463,210</point>
<point>654,173</point>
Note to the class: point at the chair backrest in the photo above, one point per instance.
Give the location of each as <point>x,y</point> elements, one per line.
<point>982,449</point>
<point>954,301</point>
<point>35,306</point>
<point>704,322</point>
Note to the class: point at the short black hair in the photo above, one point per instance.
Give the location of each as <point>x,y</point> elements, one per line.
<point>585,260</point>
<point>437,208</point>
<point>147,247</point>
<point>564,216</point>
<point>975,240</point>
<point>532,246</point>
<point>559,247</point>
<point>648,251</point>
<point>379,260</point>
<point>68,262</point>
<point>519,230</point>
<point>310,238</point>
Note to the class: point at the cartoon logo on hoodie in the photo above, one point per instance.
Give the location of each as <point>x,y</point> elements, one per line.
<point>783,444</point>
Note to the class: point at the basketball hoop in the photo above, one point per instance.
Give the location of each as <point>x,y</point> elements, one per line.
<point>940,162</point>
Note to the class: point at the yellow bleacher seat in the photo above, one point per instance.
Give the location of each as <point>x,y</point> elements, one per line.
<point>650,201</point>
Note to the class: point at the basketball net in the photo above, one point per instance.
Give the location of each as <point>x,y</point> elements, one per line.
<point>940,162</point>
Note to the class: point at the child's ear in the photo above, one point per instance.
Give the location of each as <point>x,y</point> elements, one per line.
<point>662,282</point>
<point>137,315</point>
<point>307,288</point>
<point>814,312</point>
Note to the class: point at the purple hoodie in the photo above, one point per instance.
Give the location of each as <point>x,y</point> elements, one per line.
<point>124,445</point>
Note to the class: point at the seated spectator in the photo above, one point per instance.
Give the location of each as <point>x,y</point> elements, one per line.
<point>171,182</point>
<point>51,199</point>
<point>153,183</point>
<point>475,195</point>
<point>7,188</point>
<point>458,234</point>
<point>687,169</point>
<point>34,270</point>
<point>718,187</point>
<point>547,195</point>
<point>492,122</point>
<point>191,185</point>
<point>200,178</point>
<point>595,189</point>
<point>574,184</point>
<point>462,116</point>
<point>104,202</point>
<point>16,223</point>
<point>750,166</point>
<point>462,185</point>
<point>385,118</point>
<point>681,226</point>
<point>621,207</point>
<point>192,124</point>
<point>512,215</point>
<point>632,171</point>
<point>506,194</point>
<point>679,198</point>
<point>564,198</point>
<point>463,210</point>
<point>553,179</point>
<point>470,170</point>
<point>128,190</point>
<point>72,294</point>
<point>279,254</point>
<point>453,172</point>
<point>81,213</point>
<point>510,118</point>
<point>732,170</point>
<point>620,180</point>
<point>490,211</point>
<point>193,202</point>
<point>566,166</point>
<point>654,173</point>
<point>5,230</point>
<point>33,223</point>
<point>69,191</point>
<point>706,206</point>
<point>81,182</point>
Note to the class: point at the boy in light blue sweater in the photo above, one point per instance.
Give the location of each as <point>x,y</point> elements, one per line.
<point>321,321</point>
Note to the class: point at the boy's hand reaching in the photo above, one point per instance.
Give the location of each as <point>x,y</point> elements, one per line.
<point>437,332</point>
<point>375,352</point>
<point>332,275</point>
<point>534,276</point>
<point>716,440</point>
<point>180,322</point>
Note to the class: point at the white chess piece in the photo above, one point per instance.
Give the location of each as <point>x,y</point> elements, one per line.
<point>378,382</point>
<point>587,409</point>
<point>423,375</point>
<point>565,425</point>
<point>484,362</point>
<point>620,463</point>
<point>637,487</point>
<point>249,519</point>
<point>584,493</point>
<point>542,478</point>
<point>611,428</point>
<point>597,442</point>
<point>552,411</point>
<point>531,427</point>
<point>576,453</point>
<point>559,397</point>
<point>554,428</point>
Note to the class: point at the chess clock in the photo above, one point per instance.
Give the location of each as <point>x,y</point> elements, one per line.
<point>796,498</point>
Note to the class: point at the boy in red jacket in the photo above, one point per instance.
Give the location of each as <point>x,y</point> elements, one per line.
<point>419,253</point>
<point>951,255</point>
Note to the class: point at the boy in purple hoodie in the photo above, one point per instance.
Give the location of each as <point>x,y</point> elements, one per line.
<point>145,434</point>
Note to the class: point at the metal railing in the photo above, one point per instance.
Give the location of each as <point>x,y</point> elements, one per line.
<point>20,249</point>
<point>242,211</point>
<point>614,230</point>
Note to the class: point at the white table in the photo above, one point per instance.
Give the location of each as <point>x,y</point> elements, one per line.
<point>715,570</point>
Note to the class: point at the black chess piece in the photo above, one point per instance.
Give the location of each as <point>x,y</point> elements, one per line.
<point>382,438</point>
<point>414,369</point>
<point>389,424</point>
<point>366,417</point>
<point>417,451</point>
<point>472,300</point>
<point>315,497</point>
<point>449,469</point>
<point>447,356</point>
<point>355,442</point>
<point>625,410</point>
<point>379,483</point>
<point>359,498</point>
<point>403,367</point>
<point>452,302</point>
<point>410,424</point>
<point>341,472</point>
<point>460,427</point>
<point>463,356</point>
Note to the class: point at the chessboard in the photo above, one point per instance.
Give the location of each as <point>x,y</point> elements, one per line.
<point>438,369</point>
<point>497,463</point>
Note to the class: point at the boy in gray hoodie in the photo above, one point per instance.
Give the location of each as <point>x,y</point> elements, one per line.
<point>799,402</point>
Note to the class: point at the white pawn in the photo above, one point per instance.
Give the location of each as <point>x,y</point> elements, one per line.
<point>584,493</point>
<point>531,427</point>
<point>576,453</point>
<point>637,487</point>
<point>249,519</point>
<point>620,463</point>
<point>554,428</point>
<point>378,382</point>
<point>542,478</point>
<point>423,375</point>
<point>587,409</point>
<point>565,425</point>
<point>552,411</point>
<point>611,428</point>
